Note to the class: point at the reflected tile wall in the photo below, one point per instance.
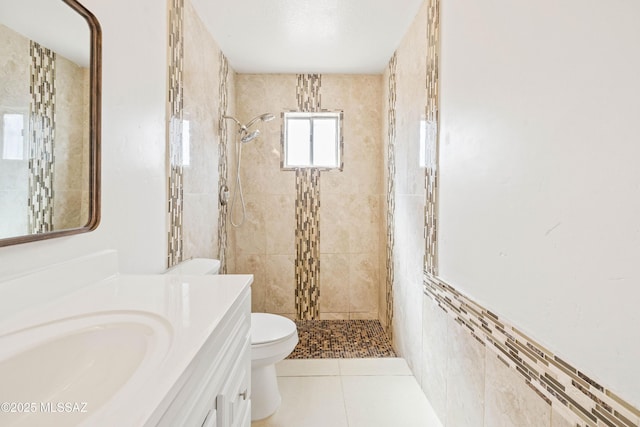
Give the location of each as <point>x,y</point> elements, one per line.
<point>42,135</point>
<point>14,87</point>
<point>72,137</point>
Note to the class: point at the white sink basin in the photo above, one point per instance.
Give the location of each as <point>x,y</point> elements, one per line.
<point>83,360</point>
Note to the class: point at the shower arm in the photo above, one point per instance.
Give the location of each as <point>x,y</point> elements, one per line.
<point>241,128</point>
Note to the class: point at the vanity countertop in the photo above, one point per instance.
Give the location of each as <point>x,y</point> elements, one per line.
<point>187,309</point>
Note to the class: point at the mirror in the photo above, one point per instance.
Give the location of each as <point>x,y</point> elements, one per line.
<point>49,120</point>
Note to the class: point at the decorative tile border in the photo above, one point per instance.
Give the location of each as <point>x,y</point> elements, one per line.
<point>391,196</point>
<point>223,160</point>
<point>307,264</point>
<point>341,339</point>
<point>432,119</point>
<point>568,390</point>
<point>176,109</point>
<point>41,137</point>
<point>308,92</point>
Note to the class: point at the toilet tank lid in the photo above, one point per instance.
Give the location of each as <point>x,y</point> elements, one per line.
<point>266,328</point>
<point>196,267</point>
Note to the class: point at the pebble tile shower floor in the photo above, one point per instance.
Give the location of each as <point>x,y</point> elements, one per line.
<point>341,339</point>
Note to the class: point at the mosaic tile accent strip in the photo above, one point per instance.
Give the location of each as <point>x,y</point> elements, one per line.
<point>391,193</point>
<point>223,160</point>
<point>307,264</point>
<point>308,92</point>
<point>344,339</point>
<point>176,109</point>
<point>41,137</point>
<point>432,120</point>
<point>569,391</point>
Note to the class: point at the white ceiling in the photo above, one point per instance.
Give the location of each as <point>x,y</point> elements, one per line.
<point>308,36</point>
<point>53,24</point>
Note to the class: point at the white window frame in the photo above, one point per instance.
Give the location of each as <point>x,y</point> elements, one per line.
<point>310,116</point>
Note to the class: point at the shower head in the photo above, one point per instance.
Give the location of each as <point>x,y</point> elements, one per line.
<point>250,137</point>
<point>243,130</point>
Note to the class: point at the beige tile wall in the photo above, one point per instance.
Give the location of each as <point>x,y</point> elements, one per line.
<point>231,166</point>
<point>201,108</point>
<point>14,91</point>
<point>265,243</point>
<point>462,376</point>
<point>350,211</point>
<point>72,139</point>
<point>409,193</point>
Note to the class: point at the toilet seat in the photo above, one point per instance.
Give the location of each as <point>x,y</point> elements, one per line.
<point>270,328</point>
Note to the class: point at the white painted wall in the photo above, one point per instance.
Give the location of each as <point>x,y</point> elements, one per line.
<point>540,184</point>
<point>133,147</point>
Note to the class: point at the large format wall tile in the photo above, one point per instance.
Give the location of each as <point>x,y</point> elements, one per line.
<point>509,401</point>
<point>363,283</point>
<point>279,223</point>
<point>280,297</point>
<point>465,379</point>
<point>254,264</point>
<point>350,210</point>
<point>251,235</point>
<point>557,420</point>
<point>334,295</point>
<point>435,356</point>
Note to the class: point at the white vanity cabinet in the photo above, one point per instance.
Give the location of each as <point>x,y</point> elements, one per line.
<point>181,344</point>
<point>214,390</point>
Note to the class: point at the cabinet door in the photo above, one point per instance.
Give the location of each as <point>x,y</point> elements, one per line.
<point>233,401</point>
<point>211,420</point>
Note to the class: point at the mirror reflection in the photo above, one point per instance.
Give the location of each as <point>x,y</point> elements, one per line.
<point>45,118</point>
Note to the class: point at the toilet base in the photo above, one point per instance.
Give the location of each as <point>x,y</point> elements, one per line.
<point>265,395</point>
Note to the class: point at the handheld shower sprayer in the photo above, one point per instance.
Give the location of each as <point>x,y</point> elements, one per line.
<point>243,130</point>
<point>244,136</point>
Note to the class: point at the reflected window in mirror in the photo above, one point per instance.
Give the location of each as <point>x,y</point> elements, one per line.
<point>12,129</point>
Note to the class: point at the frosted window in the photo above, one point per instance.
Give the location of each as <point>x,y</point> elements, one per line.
<point>312,140</point>
<point>298,142</point>
<point>13,136</point>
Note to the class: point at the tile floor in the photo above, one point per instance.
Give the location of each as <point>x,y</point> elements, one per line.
<point>329,339</point>
<point>379,392</point>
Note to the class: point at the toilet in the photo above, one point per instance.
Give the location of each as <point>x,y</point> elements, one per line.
<point>273,338</point>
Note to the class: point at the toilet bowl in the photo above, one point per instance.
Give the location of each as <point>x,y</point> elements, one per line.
<point>273,338</point>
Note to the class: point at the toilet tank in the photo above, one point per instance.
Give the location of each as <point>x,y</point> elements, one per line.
<point>196,267</point>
